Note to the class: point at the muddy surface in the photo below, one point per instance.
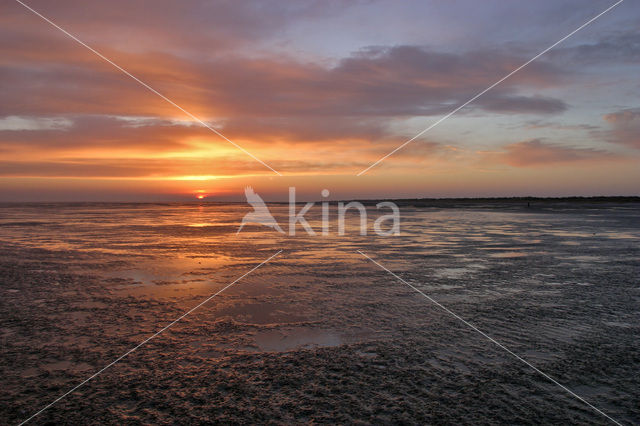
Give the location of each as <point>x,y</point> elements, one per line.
<point>319,334</point>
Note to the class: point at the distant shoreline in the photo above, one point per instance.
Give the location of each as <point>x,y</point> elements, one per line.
<point>511,203</point>
<point>460,202</point>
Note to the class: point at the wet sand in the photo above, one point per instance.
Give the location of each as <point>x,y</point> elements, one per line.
<point>319,334</point>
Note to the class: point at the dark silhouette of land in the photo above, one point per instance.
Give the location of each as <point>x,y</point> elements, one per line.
<point>516,203</point>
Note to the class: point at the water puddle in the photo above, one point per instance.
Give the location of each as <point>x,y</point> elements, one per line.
<point>262,313</point>
<point>282,340</point>
<point>508,254</point>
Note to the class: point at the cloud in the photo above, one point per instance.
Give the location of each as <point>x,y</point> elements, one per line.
<point>95,132</point>
<point>122,168</point>
<point>15,123</point>
<point>66,112</point>
<point>169,169</point>
<point>267,105</point>
<point>386,82</point>
<point>619,48</point>
<point>540,124</point>
<point>142,147</point>
<point>304,130</point>
<point>198,28</point>
<point>523,104</point>
<point>625,127</point>
<point>536,152</point>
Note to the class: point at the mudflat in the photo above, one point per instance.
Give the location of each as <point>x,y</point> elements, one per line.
<point>319,334</point>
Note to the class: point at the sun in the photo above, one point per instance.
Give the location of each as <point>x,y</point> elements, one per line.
<point>200,194</point>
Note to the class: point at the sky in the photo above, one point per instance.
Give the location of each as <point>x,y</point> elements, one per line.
<point>318,91</point>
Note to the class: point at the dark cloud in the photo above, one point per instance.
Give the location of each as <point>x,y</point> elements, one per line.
<point>194,28</point>
<point>523,104</point>
<point>619,48</point>
<point>541,124</point>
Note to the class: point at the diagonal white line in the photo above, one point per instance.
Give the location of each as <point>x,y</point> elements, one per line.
<point>148,87</point>
<point>500,345</point>
<point>150,337</point>
<point>490,87</point>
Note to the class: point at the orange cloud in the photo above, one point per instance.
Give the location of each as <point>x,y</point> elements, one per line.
<point>538,153</point>
<point>625,127</point>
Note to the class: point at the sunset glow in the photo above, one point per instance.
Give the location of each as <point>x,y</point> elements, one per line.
<point>318,110</point>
